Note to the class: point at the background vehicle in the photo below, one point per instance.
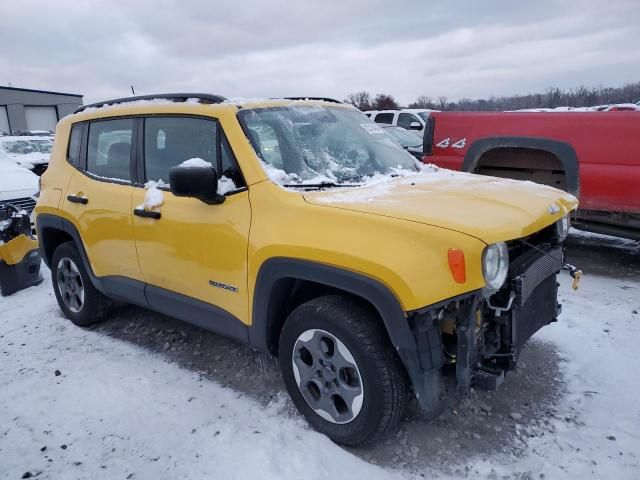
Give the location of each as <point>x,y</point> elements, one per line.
<point>409,140</point>
<point>18,187</point>
<point>592,155</point>
<point>31,152</point>
<point>304,253</point>
<point>407,118</point>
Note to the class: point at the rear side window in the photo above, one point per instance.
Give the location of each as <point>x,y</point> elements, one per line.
<point>384,118</point>
<point>109,149</point>
<point>75,139</point>
<point>169,141</point>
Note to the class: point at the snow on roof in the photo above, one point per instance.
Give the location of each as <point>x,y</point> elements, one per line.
<point>595,108</point>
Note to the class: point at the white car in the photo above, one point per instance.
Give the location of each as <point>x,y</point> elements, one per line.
<point>31,152</point>
<point>18,187</point>
<point>408,118</point>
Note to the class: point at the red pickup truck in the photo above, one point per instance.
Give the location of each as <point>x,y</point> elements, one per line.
<point>593,155</point>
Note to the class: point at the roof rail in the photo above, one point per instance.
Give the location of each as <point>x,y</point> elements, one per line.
<point>174,97</point>
<point>322,99</point>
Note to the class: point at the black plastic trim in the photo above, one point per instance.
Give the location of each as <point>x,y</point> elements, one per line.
<point>76,199</point>
<point>369,289</point>
<point>563,151</point>
<point>196,312</point>
<point>140,212</point>
<point>175,97</point>
<point>317,99</point>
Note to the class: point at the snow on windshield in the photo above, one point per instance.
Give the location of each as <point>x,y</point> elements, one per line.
<point>25,146</point>
<point>302,144</point>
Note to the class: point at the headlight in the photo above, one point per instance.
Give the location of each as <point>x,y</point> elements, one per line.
<point>562,226</point>
<point>495,265</point>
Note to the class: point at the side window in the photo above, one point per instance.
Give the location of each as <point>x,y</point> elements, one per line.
<point>109,148</point>
<point>73,152</point>
<point>406,119</point>
<point>169,141</point>
<point>384,118</point>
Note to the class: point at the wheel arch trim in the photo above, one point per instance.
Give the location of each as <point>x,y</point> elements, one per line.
<point>45,221</point>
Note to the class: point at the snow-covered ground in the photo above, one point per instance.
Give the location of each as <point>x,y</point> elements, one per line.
<point>79,403</point>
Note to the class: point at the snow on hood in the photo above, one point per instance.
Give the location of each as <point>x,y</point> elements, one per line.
<point>15,178</point>
<point>491,209</point>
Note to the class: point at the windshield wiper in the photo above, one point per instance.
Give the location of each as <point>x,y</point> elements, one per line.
<point>320,185</point>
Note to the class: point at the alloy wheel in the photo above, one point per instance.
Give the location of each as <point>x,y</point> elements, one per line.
<point>70,284</point>
<point>327,375</point>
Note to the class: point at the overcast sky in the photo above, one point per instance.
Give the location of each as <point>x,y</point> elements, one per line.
<point>255,48</point>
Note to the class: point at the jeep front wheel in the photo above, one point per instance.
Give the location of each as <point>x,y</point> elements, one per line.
<point>77,297</point>
<point>341,371</point>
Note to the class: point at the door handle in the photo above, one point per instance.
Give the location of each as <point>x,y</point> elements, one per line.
<point>77,199</point>
<point>146,213</point>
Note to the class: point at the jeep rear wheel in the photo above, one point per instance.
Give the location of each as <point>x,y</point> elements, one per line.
<point>341,371</point>
<point>77,297</point>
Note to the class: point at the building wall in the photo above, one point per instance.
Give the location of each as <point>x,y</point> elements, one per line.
<point>15,99</point>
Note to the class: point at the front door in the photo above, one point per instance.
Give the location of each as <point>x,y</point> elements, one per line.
<point>194,250</point>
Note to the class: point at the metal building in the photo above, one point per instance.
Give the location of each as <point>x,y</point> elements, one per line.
<point>25,109</point>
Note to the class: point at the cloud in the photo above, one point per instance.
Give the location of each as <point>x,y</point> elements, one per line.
<point>258,48</point>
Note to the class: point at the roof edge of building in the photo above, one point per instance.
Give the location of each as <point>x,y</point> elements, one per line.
<point>40,91</point>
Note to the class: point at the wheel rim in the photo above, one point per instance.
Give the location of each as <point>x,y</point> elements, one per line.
<point>328,376</point>
<point>70,284</point>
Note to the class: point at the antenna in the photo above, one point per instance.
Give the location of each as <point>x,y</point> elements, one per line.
<point>133,92</point>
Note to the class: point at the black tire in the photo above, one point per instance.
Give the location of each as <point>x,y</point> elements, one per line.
<point>383,381</point>
<point>94,305</point>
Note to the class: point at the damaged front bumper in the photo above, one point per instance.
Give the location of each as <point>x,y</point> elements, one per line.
<point>482,333</point>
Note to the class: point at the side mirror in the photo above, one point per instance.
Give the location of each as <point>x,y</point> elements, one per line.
<point>415,126</point>
<point>196,182</point>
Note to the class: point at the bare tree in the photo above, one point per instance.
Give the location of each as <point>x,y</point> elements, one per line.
<point>360,100</point>
<point>423,101</point>
<point>442,102</point>
<point>384,101</point>
<point>580,96</point>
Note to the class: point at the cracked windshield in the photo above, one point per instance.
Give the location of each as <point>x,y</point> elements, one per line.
<point>303,145</point>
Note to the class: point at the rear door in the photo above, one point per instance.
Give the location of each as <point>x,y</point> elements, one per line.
<point>98,198</point>
<point>191,250</point>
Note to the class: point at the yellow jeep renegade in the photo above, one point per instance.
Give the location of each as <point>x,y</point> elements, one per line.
<point>298,227</point>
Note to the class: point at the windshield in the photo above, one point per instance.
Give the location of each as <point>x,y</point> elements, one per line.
<point>404,137</point>
<point>309,143</point>
<point>23,147</point>
<point>424,115</point>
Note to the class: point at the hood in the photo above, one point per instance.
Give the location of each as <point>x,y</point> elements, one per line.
<point>16,181</point>
<point>27,160</point>
<point>488,208</point>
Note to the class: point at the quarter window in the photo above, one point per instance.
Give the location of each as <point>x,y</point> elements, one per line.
<point>384,118</point>
<point>74,144</point>
<point>109,149</point>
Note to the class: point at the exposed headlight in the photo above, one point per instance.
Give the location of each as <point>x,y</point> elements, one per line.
<point>495,265</point>
<point>563,227</point>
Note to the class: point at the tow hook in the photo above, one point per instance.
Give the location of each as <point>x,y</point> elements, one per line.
<point>575,274</point>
